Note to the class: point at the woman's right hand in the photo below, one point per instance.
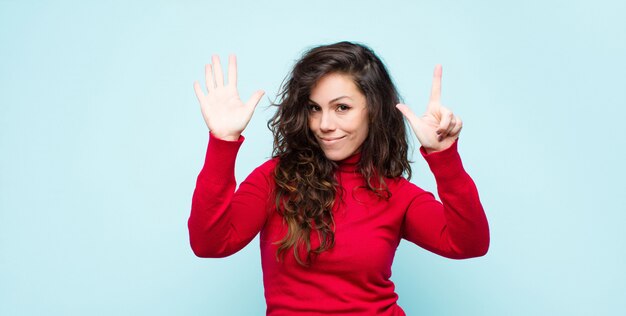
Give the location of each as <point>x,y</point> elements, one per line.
<point>225,114</point>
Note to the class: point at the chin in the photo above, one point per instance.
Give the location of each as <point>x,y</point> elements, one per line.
<point>337,156</point>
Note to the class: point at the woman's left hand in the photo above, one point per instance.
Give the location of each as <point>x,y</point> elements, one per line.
<point>438,128</point>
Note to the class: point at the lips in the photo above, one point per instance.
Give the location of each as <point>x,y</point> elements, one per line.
<point>331,140</point>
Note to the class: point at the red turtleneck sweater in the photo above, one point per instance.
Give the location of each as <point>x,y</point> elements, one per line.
<point>352,278</point>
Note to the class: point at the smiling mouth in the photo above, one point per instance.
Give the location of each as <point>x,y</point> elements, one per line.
<point>330,140</point>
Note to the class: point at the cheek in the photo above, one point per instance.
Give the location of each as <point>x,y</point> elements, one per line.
<point>360,134</point>
<point>313,118</point>
<point>364,132</point>
<point>311,123</point>
<point>363,128</point>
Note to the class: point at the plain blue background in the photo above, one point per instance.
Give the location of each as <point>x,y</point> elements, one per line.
<point>101,140</point>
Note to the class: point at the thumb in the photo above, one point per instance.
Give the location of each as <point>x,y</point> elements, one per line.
<point>255,98</point>
<point>406,111</point>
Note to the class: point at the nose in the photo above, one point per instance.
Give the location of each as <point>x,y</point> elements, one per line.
<point>327,122</point>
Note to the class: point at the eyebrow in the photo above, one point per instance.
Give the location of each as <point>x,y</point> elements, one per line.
<point>335,99</point>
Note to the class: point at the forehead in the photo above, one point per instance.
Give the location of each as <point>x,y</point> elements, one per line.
<point>335,85</point>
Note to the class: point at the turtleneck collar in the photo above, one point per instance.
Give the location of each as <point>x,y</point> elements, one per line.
<point>349,164</point>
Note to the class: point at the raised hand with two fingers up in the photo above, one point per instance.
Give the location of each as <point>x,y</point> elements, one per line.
<point>224,113</point>
<point>438,128</point>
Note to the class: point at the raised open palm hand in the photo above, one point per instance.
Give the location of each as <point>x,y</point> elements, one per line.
<point>225,114</point>
<point>438,128</point>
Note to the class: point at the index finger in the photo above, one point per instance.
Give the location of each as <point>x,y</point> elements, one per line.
<point>232,70</point>
<point>435,92</point>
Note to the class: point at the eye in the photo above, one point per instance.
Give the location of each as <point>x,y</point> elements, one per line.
<point>314,108</point>
<point>342,107</point>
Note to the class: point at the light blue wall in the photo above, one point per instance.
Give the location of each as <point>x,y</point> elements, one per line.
<point>101,139</point>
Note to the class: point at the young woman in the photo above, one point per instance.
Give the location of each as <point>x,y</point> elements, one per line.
<point>333,203</point>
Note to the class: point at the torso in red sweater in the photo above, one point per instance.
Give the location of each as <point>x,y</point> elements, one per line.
<point>353,277</point>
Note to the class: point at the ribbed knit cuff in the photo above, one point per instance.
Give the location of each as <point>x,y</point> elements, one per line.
<point>222,153</point>
<point>445,163</point>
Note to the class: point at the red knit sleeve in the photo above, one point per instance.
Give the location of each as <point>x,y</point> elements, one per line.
<point>456,227</point>
<point>223,221</point>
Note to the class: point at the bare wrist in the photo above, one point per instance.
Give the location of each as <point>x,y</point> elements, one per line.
<point>226,137</point>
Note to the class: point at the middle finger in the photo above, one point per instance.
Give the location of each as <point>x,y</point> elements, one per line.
<point>217,71</point>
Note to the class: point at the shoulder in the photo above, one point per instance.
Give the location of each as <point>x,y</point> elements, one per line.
<point>265,171</point>
<point>268,166</point>
<point>402,184</point>
<point>262,177</point>
<point>401,188</point>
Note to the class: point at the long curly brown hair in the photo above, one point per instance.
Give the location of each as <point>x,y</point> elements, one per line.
<point>305,179</point>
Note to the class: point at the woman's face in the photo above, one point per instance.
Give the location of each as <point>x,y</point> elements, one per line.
<point>338,116</point>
